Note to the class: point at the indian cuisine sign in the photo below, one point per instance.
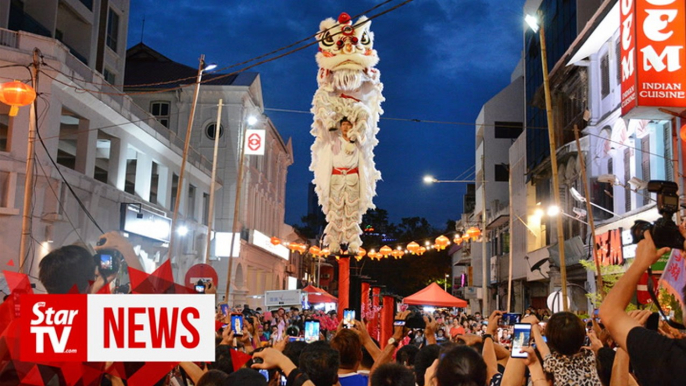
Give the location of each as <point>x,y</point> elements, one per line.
<point>652,39</point>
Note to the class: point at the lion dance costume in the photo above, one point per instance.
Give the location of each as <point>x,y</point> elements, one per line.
<point>349,89</point>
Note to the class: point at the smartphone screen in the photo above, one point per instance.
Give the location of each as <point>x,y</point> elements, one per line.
<point>348,318</point>
<point>398,322</point>
<point>237,324</point>
<point>225,309</point>
<point>200,289</point>
<point>510,319</point>
<point>521,338</point>
<point>295,339</point>
<point>311,330</point>
<point>265,374</point>
<point>284,380</point>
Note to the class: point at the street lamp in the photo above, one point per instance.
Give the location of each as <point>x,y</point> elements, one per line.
<point>432,180</point>
<point>179,189</point>
<point>533,22</point>
<point>250,120</point>
<point>577,196</point>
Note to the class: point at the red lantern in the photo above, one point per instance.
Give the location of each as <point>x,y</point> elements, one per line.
<point>16,94</point>
<point>457,239</point>
<point>325,252</point>
<point>275,241</point>
<point>421,251</point>
<point>441,242</point>
<point>302,248</point>
<point>682,132</point>
<point>385,250</point>
<point>412,247</point>
<point>473,233</point>
<point>315,251</point>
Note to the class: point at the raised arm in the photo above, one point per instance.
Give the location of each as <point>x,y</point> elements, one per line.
<point>612,310</point>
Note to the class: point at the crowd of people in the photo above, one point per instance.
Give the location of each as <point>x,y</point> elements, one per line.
<point>441,348</point>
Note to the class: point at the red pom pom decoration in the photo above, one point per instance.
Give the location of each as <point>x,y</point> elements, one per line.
<point>343,18</point>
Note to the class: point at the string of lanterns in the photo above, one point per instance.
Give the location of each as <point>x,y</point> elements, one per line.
<point>440,243</point>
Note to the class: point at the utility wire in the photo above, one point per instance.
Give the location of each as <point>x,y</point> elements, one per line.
<point>218,77</point>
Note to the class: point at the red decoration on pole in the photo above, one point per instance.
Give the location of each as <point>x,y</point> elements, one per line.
<point>387,315</point>
<point>364,299</point>
<point>343,285</point>
<point>373,326</point>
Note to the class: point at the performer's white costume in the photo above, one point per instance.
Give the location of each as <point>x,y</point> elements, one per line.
<point>349,87</point>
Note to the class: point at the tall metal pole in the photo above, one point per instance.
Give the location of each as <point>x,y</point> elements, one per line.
<point>589,212</point>
<point>213,183</point>
<point>236,205</point>
<point>553,165</point>
<point>510,242</point>
<point>484,237</point>
<point>189,129</point>
<point>28,182</point>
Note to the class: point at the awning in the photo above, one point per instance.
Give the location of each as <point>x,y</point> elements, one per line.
<point>318,295</point>
<point>606,27</point>
<point>575,250</point>
<point>534,257</point>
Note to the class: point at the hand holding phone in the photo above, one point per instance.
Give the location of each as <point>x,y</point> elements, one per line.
<point>237,324</point>
<point>311,330</point>
<point>521,338</point>
<point>348,318</point>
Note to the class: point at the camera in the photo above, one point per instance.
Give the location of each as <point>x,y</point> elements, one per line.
<point>664,231</point>
<point>200,287</point>
<point>108,261</point>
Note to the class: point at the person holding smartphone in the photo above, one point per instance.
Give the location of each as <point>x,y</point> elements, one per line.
<point>563,354</point>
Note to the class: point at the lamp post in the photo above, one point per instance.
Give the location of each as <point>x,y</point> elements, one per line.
<point>189,129</point>
<point>533,23</point>
<point>210,211</point>
<point>28,182</point>
<point>251,120</point>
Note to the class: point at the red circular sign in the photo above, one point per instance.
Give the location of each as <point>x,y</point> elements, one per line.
<point>254,141</point>
<point>200,271</point>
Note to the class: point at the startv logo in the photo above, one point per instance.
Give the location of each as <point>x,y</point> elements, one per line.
<point>123,328</point>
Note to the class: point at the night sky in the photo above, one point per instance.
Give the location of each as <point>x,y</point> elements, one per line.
<point>440,62</point>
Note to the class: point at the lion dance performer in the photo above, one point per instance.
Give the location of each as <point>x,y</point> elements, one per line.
<point>346,108</point>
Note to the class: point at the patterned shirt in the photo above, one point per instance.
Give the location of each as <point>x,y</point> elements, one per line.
<point>578,369</point>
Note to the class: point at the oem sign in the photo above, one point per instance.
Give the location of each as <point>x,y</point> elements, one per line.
<point>652,36</point>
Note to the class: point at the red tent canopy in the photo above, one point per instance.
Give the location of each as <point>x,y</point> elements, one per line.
<point>433,295</point>
<point>318,295</point>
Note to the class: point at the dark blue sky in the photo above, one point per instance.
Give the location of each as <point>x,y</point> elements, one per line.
<point>440,61</point>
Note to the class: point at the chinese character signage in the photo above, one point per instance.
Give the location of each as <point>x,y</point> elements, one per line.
<point>610,251</point>
<point>652,39</point>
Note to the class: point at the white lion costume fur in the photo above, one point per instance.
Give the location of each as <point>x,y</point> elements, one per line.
<point>350,87</point>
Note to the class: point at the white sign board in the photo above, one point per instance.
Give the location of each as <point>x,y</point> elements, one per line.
<point>254,142</point>
<point>283,298</point>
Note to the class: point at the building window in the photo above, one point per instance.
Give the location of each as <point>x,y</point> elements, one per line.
<point>510,130</point>
<point>605,75</point>
<point>191,201</point>
<point>174,191</point>
<point>109,76</point>
<point>501,173</point>
<point>645,163</point>
<point>160,109</point>
<point>211,129</point>
<point>206,209</point>
<point>112,29</point>
<point>4,128</point>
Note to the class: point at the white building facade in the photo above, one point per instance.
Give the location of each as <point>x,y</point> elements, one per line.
<point>258,265</point>
<point>113,155</point>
